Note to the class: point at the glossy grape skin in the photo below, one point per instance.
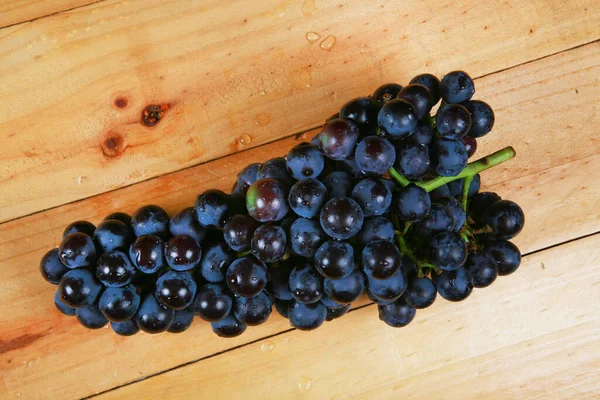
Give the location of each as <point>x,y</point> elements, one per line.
<point>470,145</point>
<point>77,250</point>
<point>339,184</point>
<point>381,259</point>
<point>482,118</point>
<point>459,216</point>
<point>341,218</point>
<point>182,253</point>
<point>447,251</point>
<point>90,317</point>
<point>213,302</point>
<point>211,208</point>
<point>215,261</point>
<point>482,267</point>
<point>304,161</point>
<point>454,285</point>
<point>246,276</point>
<point>306,317</point>
<point>363,112</point>
<point>278,285</point>
<point>253,311</point>
<point>412,160</point>
<point>112,235</point>
<point>307,197</point>
<point>62,307</point>
<point>438,193</point>
<point>420,293</point>
<point>373,196</point>
<point>51,268</point>
<point>449,157</point>
<point>327,302</point>
<point>126,328</point>
<point>349,165</point>
<point>457,87</point>
<point>306,284</point>
<point>175,290</point>
<point>245,178</point>
<point>453,121</point>
<point>114,269</point>
<point>505,218</point>
<point>398,118</point>
<point>431,82</point>
<point>228,327</point>
<point>147,253</point>
<point>238,232</point>
<point>412,203</point>
<point>389,289</point>
<point>152,317</point>
<point>78,288</point>
<point>282,307</point>
<point>182,321</point>
<point>397,314</point>
<point>479,204</point>
<point>345,290</point>
<point>119,304</point>
<point>334,259</point>
<point>376,300</point>
<point>269,243</point>
<point>419,96</point>
<point>423,134</point>
<point>150,220</point>
<point>306,236</point>
<point>338,138</point>
<point>266,200</point>
<point>120,216</point>
<point>275,168</point>
<point>439,219</point>
<point>456,187</point>
<point>185,223</point>
<point>375,228</point>
<point>80,226</point>
<point>385,93</point>
<point>505,254</point>
<point>374,155</point>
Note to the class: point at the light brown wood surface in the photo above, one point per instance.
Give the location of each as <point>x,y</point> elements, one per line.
<point>227,70</point>
<point>59,107</point>
<point>14,12</point>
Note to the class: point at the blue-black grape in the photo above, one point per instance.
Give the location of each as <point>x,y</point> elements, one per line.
<point>409,267</point>
<point>459,216</point>
<point>77,250</point>
<point>420,293</point>
<point>381,259</point>
<point>385,93</point>
<point>306,317</point>
<point>78,288</point>
<point>125,328</point>
<point>266,200</point>
<point>457,87</point>
<point>431,82</point>
<point>336,312</point>
<point>345,290</point>
<point>334,259</point>
<point>175,289</point>
<point>91,317</point>
<point>152,317</point>
<point>388,289</point>
<point>375,228</point>
<point>306,236</point>
<point>211,208</point>
<point>397,314</point>
<point>79,226</point>
<point>228,327</point>
<point>375,155</point>
<point>412,160</point>
<point>306,284</point>
<point>215,261</point>
<point>447,251</point>
<point>505,218</point>
<point>119,216</point>
<point>269,243</point>
<point>305,160</point>
<point>439,192</point>
<point>454,285</point>
<point>482,267</point>
<point>412,203</point>
<point>341,218</point>
<point>238,232</point>
<point>213,302</point>
<point>62,307</point>
<point>479,204</point>
<point>482,118</point>
<point>182,253</point>
<point>338,138</point>
<point>307,197</point>
<point>275,168</point>
<point>363,112</point>
<point>373,196</point>
<point>470,145</point>
<point>119,304</point>
<point>51,268</point>
<point>339,184</point>
<point>282,307</point>
<point>114,269</point>
<point>147,253</point>
<point>449,157</point>
<point>349,165</point>
<point>456,186</point>
<point>398,118</point>
<point>327,302</point>
<point>182,321</point>
<point>150,220</point>
<point>506,255</point>
<point>278,285</point>
<point>423,134</point>
<point>453,121</point>
<point>185,223</point>
<point>252,311</point>
<point>245,178</point>
<point>112,235</point>
<point>247,276</point>
<point>439,219</point>
<point>420,97</point>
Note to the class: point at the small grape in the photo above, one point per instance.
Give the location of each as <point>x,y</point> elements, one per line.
<point>390,289</point>
<point>334,259</point>
<point>338,138</point>
<point>412,203</point>
<point>147,253</point>
<point>398,118</point>
<point>182,321</point>
<point>228,327</point>
<point>305,161</point>
<point>439,219</point>
<point>78,288</point>
<point>397,314</point>
<point>381,259</point>
<point>482,118</point>
<point>385,93</point>
<point>120,216</point>
<point>420,97</point>
<point>306,317</point>
<point>363,112</point>
<point>182,253</point>
<point>449,157</point>
<point>211,208</point>
<point>306,285</point>
<point>412,160</point>
<point>457,87</point>
<point>341,218</point>
<point>80,226</point>
<point>453,121</point>
<point>306,236</point>
<point>112,235</point>
<point>213,303</point>
<point>505,218</point>
<point>421,293</point>
<point>238,232</point>
<point>482,267</point>
<point>152,317</point>
<point>479,204</point>
<point>253,311</point>
<point>266,200</point>
<point>345,290</point>
<point>454,285</point>
<point>51,268</point>
<point>506,255</point>
<point>375,228</point>
<point>215,261</point>
<point>247,276</point>
<point>91,317</point>
<point>175,290</point>
<point>375,155</point>
<point>119,304</point>
<point>150,220</point>
<point>459,216</point>
<point>307,197</point>
<point>185,223</point>
<point>431,82</point>
<point>447,251</point>
<point>373,196</point>
<point>269,243</point>
<point>125,328</point>
<point>77,250</point>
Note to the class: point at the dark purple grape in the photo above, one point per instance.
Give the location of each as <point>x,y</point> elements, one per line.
<point>175,290</point>
<point>412,160</point>
<point>338,139</point>
<point>375,155</point>
<point>306,236</point>
<point>505,218</point>
<point>185,223</point>
<point>349,165</point>
<point>247,177</point>
<point>213,302</point>
<point>278,285</point>
<point>339,184</point>
<point>482,267</point>
<point>373,196</point>
<point>439,219</point>
<point>77,250</point>
<point>307,197</point>
<point>252,311</point>
<point>420,293</point>
<point>211,208</point>
<point>381,259</point>
<point>114,269</point>
<point>228,327</point>
<point>505,254</point>
<point>182,253</point>
<point>390,289</point>
<point>215,261</point>
<point>439,192</point>
<point>457,87</point>
<point>341,218</point>
<point>470,145</point>
<point>305,160</point>
<point>119,304</point>
<point>306,285</point>
<point>447,251</point>
<point>334,259</point>
<point>423,134</point>
<point>479,204</point>
<point>454,285</point>
<point>238,232</point>
<point>420,97</point>
<point>385,93</point>
<point>275,168</point>
<point>147,253</point>
<point>375,228</point>
<point>409,267</point>
<point>112,235</point>
<point>119,216</point>
<point>126,328</point>
<point>62,307</point>
<point>449,157</point>
<point>397,314</point>
<point>90,317</point>
<point>431,82</point>
<point>182,321</point>
<point>459,216</point>
<point>269,243</point>
<point>150,220</point>
<point>152,317</point>
<point>78,288</point>
<point>282,307</point>
<point>482,118</point>
<point>345,290</point>
<point>456,186</point>
<point>247,276</point>
<point>453,121</point>
<point>398,118</point>
<point>51,268</point>
<point>336,312</point>
<point>363,112</point>
<point>266,200</point>
<point>80,226</point>
<point>412,203</point>
<point>306,317</point>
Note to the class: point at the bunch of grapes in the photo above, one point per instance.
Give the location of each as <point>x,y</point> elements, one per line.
<point>381,201</point>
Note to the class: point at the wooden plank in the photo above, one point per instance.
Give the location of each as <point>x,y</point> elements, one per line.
<point>534,334</point>
<point>235,75</point>
<point>15,12</point>
<point>40,340</point>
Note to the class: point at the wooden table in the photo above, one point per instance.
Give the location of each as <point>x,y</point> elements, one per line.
<point>240,82</point>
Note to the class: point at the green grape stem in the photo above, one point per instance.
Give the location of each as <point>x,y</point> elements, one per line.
<point>465,193</point>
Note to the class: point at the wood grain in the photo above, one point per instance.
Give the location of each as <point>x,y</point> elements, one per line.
<point>504,342</point>
<point>74,85</point>
<point>14,12</point>
<point>39,344</point>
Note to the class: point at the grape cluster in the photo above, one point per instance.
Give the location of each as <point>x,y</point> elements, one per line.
<point>381,201</point>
